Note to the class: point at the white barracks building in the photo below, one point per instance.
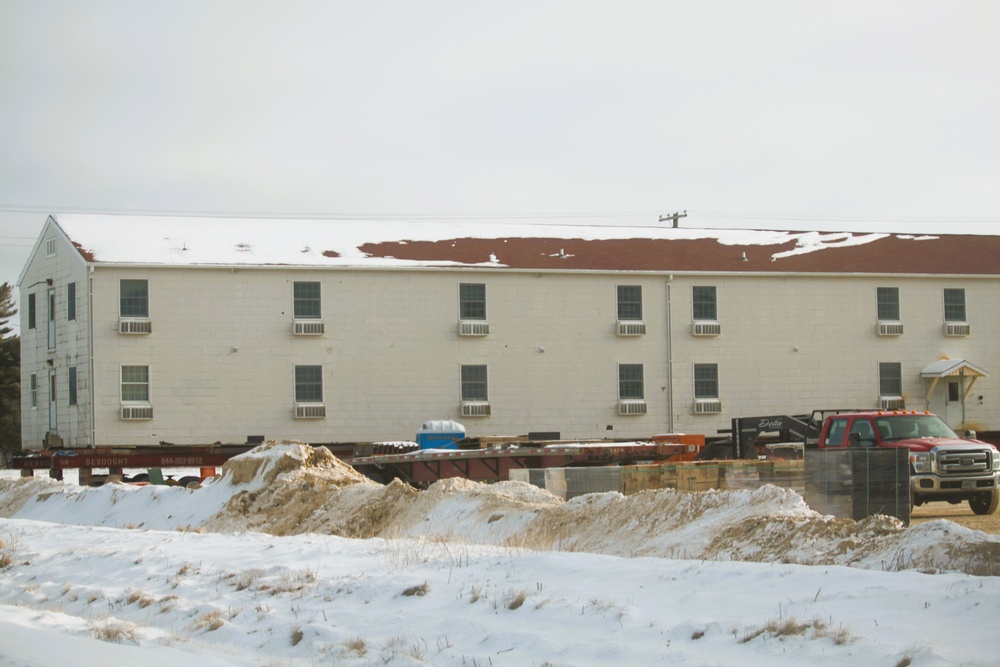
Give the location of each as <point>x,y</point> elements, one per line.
<point>146,330</point>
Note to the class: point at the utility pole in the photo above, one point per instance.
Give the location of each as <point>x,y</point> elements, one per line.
<point>675,217</point>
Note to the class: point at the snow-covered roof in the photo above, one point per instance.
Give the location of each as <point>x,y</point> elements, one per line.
<point>202,241</point>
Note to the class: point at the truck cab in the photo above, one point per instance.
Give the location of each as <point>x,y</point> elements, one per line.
<point>943,465</point>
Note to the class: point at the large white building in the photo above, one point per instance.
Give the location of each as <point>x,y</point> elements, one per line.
<point>144,330</point>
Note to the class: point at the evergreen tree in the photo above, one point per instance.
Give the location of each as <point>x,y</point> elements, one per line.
<point>10,378</point>
<point>7,309</point>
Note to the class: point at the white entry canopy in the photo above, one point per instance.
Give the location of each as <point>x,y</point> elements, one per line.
<point>952,368</point>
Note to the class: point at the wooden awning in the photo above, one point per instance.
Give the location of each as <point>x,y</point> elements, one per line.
<point>946,368</point>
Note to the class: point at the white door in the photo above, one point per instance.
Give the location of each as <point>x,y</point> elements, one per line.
<point>52,319</point>
<point>954,412</point>
<point>946,403</point>
<point>52,401</point>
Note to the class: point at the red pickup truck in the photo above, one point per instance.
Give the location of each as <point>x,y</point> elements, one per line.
<point>943,466</point>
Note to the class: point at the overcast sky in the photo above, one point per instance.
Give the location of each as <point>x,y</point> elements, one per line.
<point>875,116</point>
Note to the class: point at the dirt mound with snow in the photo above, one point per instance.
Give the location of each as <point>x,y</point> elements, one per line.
<point>291,488</point>
<point>280,487</point>
<point>16,493</point>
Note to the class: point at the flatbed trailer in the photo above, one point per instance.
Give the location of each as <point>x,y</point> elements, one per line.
<point>490,462</point>
<point>493,464</point>
<point>115,459</point>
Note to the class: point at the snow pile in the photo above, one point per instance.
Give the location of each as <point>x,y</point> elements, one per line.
<point>159,598</point>
<point>291,488</point>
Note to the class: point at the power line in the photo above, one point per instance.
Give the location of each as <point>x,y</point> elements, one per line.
<point>508,215</point>
<point>834,217</point>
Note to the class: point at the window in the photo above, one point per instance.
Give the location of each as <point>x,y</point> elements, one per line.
<point>71,301</point>
<point>630,385</point>
<point>306,301</point>
<point>135,384</point>
<point>888,304</point>
<point>954,392</point>
<point>31,311</point>
<point>629,302</point>
<point>472,301</point>
<point>50,247</point>
<point>134,298</point>
<point>835,436</point>
<point>72,385</point>
<point>474,383</point>
<point>706,381</point>
<point>890,379</point>
<point>308,384</point>
<point>954,305</point>
<point>704,304</point>
<point>33,391</point>
<point>865,432</point>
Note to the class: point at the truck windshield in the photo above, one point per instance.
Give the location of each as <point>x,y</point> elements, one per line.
<point>904,427</point>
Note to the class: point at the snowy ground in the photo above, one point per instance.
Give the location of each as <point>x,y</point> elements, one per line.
<point>290,558</point>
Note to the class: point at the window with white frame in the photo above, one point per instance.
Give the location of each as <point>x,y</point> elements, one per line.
<point>954,305</point>
<point>307,304</point>
<point>630,382</point>
<point>135,384</point>
<point>308,384</point>
<point>704,304</point>
<point>33,391</point>
<point>706,381</point>
<point>887,304</point>
<point>630,303</point>
<point>475,385</point>
<point>472,301</point>
<point>890,379</point>
<point>71,302</point>
<point>134,298</point>
<point>50,247</point>
<point>32,316</point>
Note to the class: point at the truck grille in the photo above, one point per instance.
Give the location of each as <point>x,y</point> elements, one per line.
<point>968,462</point>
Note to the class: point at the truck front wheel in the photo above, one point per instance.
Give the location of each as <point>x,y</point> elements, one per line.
<point>985,503</point>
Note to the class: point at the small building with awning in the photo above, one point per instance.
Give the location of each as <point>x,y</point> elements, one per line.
<point>948,399</point>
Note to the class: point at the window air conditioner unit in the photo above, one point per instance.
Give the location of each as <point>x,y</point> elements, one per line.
<point>137,412</point>
<point>890,329</point>
<point>308,328</point>
<point>477,409</point>
<point>310,411</point>
<point>473,328</point>
<point>707,407</point>
<point>893,403</point>
<point>631,329</point>
<point>706,328</point>
<point>135,326</point>
<point>957,329</point>
<point>632,407</point>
